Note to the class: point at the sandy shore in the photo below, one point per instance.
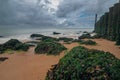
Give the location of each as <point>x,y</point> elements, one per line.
<point>106,45</point>
<point>28,66</point>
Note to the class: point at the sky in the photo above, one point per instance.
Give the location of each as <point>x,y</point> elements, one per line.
<point>58,13</point>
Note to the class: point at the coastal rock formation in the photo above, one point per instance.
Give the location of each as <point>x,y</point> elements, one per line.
<point>50,48</point>
<point>13,44</point>
<point>109,24</point>
<point>84,64</point>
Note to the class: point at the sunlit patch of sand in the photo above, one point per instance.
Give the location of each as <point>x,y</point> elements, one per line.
<point>28,66</point>
<point>107,46</point>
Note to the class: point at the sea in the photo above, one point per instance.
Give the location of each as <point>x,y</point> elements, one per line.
<point>23,33</point>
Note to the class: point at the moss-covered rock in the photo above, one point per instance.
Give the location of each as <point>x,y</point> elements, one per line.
<point>56,33</point>
<point>65,39</point>
<point>78,40</point>
<point>84,36</point>
<point>49,39</point>
<point>50,48</point>
<point>43,38</point>
<point>2,49</point>
<point>97,36</point>
<point>23,47</point>
<point>88,42</point>
<point>13,44</point>
<point>84,64</point>
<point>3,59</point>
<point>36,35</point>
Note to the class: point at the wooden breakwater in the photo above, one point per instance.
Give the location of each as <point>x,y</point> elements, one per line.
<point>108,26</point>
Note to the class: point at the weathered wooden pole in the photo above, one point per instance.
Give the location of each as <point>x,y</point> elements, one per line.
<point>95,20</point>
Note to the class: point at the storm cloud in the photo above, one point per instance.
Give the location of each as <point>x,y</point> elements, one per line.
<point>24,12</point>
<point>75,13</point>
<point>82,12</point>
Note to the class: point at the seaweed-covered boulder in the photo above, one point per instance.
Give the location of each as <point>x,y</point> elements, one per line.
<point>78,40</point>
<point>50,48</point>
<point>36,35</point>
<point>83,36</point>
<point>11,43</point>
<point>88,42</point>
<point>97,36</point>
<point>65,39</point>
<point>1,48</point>
<point>3,59</point>
<point>42,37</point>
<point>23,47</point>
<point>84,64</point>
<point>47,38</point>
<point>56,33</point>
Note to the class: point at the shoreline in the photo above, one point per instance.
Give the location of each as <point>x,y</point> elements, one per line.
<point>65,32</point>
<point>29,66</point>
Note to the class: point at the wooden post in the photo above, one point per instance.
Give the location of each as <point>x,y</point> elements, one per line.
<point>95,19</point>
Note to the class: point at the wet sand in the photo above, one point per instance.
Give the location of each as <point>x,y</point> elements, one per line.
<point>106,45</point>
<point>28,66</point>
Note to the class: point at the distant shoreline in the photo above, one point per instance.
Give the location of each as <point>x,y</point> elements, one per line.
<point>25,35</point>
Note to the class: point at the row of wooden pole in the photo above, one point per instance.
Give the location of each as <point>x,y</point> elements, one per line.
<point>108,26</point>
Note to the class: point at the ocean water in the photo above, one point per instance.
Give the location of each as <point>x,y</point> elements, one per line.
<point>23,33</point>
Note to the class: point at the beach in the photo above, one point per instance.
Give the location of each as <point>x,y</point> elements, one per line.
<point>29,66</point>
<point>59,40</point>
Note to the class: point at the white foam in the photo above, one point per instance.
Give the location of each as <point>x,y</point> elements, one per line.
<point>69,33</point>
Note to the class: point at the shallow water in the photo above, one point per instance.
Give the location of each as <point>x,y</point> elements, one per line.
<point>23,33</point>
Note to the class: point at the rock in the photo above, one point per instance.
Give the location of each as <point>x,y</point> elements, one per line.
<point>3,58</point>
<point>56,33</point>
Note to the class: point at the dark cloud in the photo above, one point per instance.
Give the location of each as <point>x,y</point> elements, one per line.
<point>68,6</point>
<point>82,12</point>
<point>79,13</point>
<point>21,12</point>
